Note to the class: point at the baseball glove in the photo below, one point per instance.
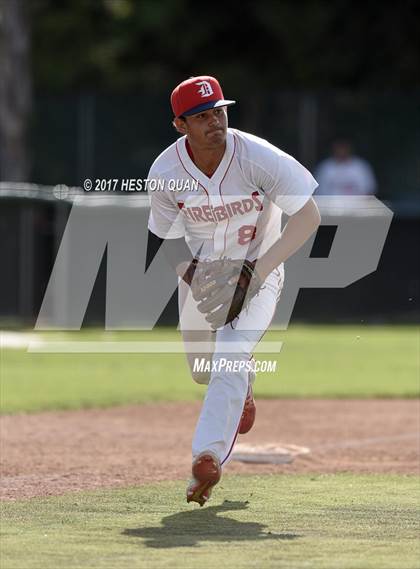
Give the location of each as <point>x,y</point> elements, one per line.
<point>223,288</point>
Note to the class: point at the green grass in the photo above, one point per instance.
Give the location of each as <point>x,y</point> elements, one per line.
<point>316,361</point>
<point>321,521</point>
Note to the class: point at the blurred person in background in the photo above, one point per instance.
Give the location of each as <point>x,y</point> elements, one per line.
<point>344,174</point>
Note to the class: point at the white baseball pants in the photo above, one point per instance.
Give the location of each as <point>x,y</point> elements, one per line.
<point>217,426</point>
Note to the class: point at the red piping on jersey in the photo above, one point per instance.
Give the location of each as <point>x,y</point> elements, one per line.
<point>220,193</point>
<point>189,149</point>
<point>190,153</point>
<point>232,445</point>
<point>189,174</point>
<point>237,430</point>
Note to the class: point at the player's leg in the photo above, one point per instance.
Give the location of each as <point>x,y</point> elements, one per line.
<point>197,335</point>
<point>199,345</point>
<point>223,405</point>
<point>221,413</point>
<point>250,410</point>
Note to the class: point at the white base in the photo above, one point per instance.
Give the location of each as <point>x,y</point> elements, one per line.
<point>268,453</point>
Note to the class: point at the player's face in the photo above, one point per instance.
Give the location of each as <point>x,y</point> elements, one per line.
<point>208,129</point>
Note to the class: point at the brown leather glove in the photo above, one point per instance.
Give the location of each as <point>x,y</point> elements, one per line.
<point>223,288</point>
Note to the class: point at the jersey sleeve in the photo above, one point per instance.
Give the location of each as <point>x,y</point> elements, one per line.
<point>283,179</point>
<point>165,218</point>
<point>322,175</point>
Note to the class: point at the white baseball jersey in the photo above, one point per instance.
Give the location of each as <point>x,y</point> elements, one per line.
<point>236,212</point>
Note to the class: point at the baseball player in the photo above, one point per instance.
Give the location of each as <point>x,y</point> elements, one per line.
<point>221,231</point>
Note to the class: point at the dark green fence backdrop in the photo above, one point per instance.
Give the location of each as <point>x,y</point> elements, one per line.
<point>103,135</point>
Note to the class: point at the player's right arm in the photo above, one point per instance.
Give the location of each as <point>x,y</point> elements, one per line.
<point>167,230</point>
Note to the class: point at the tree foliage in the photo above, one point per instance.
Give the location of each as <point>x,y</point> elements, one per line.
<point>125,44</point>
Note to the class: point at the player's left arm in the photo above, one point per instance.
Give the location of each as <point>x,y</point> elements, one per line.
<point>289,185</point>
<point>299,227</point>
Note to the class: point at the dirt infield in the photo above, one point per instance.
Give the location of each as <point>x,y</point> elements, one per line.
<point>57,452</point>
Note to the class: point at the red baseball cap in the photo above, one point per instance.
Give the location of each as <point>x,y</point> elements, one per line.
<point>197,94</point>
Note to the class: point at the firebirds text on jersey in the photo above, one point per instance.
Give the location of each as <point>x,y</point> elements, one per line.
<point>222,212</point>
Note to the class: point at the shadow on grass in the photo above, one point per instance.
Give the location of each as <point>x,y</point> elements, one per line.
<point>187,529</point>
